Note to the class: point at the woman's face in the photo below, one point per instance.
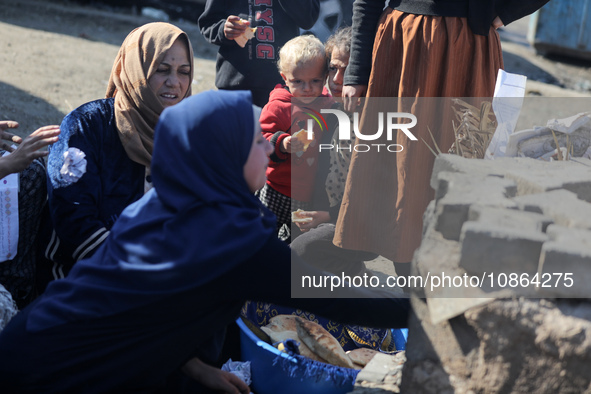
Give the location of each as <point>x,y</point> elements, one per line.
<point>339,60</point>
<point>172,78</point>
<point>255,168</point>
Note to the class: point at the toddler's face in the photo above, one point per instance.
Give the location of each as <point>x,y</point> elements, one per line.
<point>307,80</point>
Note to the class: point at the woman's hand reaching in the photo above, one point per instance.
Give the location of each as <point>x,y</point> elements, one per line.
<point>28,150</point>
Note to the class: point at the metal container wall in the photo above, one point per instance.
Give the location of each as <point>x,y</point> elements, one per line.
<point>562,27</point>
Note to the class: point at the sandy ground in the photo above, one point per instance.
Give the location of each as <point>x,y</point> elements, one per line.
<point>55,56</point>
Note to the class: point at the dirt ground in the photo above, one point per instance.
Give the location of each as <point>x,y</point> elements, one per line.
<point>55,56</point>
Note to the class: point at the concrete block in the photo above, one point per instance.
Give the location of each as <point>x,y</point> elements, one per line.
<point>530,175</point>
<point>510,218</point>
<point>564,271</point>
<point>498,167</point>
<point>488,248</point>
<point>561,206</point>
<point>567,252</point>
<point>456,192</point>
<point>569,175</point>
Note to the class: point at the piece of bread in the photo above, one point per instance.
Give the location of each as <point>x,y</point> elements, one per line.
<point>282,323</point>
<point>302,136</point>
<point>361,356</point>
<point>322,343</point>
<point>296,217</point>
<point>247,35</point>
<point>280,336</point>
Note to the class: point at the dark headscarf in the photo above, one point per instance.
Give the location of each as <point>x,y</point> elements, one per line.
<point>198,222</point>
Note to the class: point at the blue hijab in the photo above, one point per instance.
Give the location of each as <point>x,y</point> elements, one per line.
<point>198,222</point>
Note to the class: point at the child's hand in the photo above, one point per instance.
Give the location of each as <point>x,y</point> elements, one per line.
<point>291,145</point>
<point>286,145</point>
<point>234,27</point>
<point>318,217</point>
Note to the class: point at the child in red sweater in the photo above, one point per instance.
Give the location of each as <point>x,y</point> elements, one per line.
<point>291,171</point>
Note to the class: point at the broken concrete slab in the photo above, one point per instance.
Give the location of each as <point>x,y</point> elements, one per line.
<point>562,206</point>
<point>510,218</point>
<point>492,248</point>
<point>456,192</point>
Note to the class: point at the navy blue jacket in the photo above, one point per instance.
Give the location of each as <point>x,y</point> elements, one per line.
<point>83,212</point>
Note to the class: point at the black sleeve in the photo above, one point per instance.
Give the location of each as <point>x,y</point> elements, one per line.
<point>274,273</point>
<point>366,14</point>
<point>212,20</point>
<point>304,12</point>
<point>510,10</point>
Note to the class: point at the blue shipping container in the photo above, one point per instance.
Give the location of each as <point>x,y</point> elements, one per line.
<point>562,27</point>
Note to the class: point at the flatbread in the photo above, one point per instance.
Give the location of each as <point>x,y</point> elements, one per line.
<point>362,356</point>
<point>247,35</point>
<point>282,323</point>
<point>322,343</point>
<point>297,218</point>
<point>280,336</point>
<point>302,136</point>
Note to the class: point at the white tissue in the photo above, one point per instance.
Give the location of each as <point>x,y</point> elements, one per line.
<point>7,307</point>
<point>74,165</point>
<point>238,368</point>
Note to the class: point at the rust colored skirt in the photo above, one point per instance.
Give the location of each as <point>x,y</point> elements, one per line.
<point>413,56</point>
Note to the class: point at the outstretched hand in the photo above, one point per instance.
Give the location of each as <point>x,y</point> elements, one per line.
<point>318,217</point>
<point>5,135</point>
<point>28,150</point>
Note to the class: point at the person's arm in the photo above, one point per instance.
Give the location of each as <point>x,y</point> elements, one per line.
<point>212,23</point>
<point>28,150</point>
<point>366,14</point>
<point>274,127</point>
<point>304,13</point>
<point>509,11</point>
<point>269,275</point>
<point>74,206</point>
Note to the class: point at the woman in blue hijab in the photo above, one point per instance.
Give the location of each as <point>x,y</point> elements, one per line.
<point>175,270</point>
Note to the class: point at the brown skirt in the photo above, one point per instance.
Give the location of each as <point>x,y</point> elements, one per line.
<point>413,56</point>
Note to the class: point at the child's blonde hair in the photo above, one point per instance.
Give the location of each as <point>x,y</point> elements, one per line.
<point>300,50</point>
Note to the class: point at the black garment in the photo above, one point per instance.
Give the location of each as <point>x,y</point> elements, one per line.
<point>18,275</point>
<point>138,350</point>
<point>480,14</point>
<point>254,67</point>
<point>316,246</point>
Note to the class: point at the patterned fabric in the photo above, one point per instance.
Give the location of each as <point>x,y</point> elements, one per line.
<point>340,158</point>
<point>18,274</point>
<point>282,206</point>
<point>349,336</point>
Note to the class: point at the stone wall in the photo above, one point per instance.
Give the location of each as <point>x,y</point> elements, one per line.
<point>504,227</point>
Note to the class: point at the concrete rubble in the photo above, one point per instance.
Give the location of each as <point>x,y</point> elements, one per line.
<point>515,230</point>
